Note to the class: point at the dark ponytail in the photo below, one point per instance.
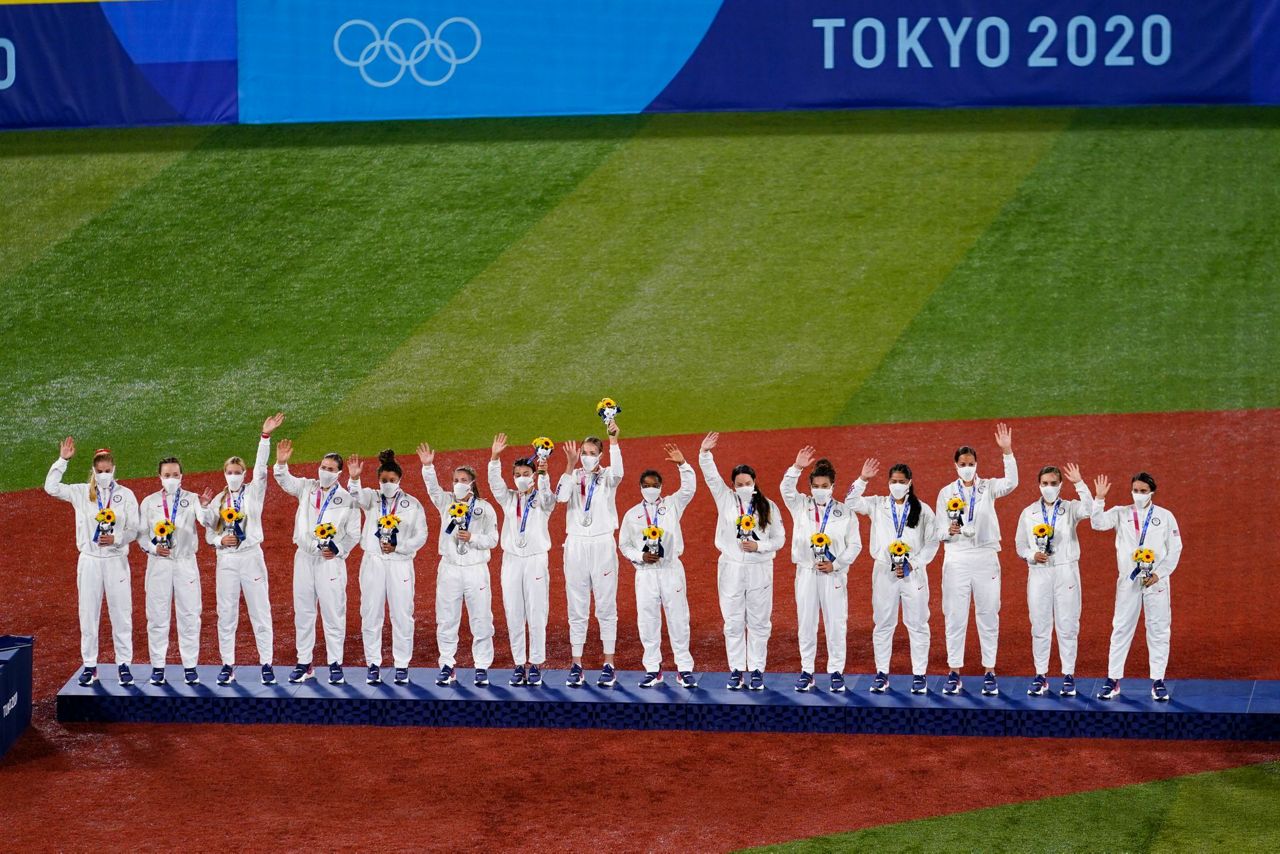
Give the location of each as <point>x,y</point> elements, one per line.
<point>913,503</point>
<point>823,468</point>
<point>759,500</point>
<point>387,462</point>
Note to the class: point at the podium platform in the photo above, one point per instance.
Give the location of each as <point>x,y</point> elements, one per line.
<point>1199,709</point>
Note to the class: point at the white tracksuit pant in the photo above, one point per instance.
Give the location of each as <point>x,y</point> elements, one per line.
<point>243,572</point>
<point>976,572</point>
<point>454,586</point>
<point>316,580</point>
<point>97,577</point>
<point>526,591</point>
<point>386,585</point>
<point>888,591</point>
<point>747,607</point>
<point>173,583</point>
<point>825,593</point>
<point>1132,599</point>
<point>1053,599</point>
<point>591,566</point>
<point>662,590</point>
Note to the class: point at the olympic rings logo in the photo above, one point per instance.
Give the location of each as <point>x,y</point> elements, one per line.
<point>429,43</point>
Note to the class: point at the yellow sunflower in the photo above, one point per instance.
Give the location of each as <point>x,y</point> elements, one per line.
<point>746,524</point>
<point>955,504</point>
<point>389,522</point>
<point>231,515</point>
<point>457,510</point>
<point>1144,556</point>
<point>898,548</point>
<point>164,528</point>
<point>542,443</point>
<point>326,531</point>
<point>106,516</point>
<point>1042,530</point>
<point>653,532</point>
<point>820,540</point>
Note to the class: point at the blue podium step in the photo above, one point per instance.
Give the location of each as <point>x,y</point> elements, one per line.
<point>1199,709</point>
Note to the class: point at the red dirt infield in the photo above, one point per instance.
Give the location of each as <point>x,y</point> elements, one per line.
<point>276,786</point>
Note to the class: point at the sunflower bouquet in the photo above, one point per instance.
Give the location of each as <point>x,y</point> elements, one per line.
<point>106,520</point>
<point>607,409</point>
<point>325,532</point>
<point>388,526</point>
<point>542,447</point>
<point>820,543</point>
<point>955,509</point>
<point>233,520</point>
<point>653,539</point>
<point>458,522</point>
<point>163,534</point>
<point>746,526</point>
<point>1043,533</point>
<point>1144,560</point>
<point>900,556</point>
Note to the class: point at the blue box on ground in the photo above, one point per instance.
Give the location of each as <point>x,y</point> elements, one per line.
<point>15,688</point>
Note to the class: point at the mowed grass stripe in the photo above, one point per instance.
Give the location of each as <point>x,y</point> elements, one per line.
<point>1236,810</point>
<point>1135,271</point>
<point>270,268</point>
<point>728,271</point>
<point>56,181</point>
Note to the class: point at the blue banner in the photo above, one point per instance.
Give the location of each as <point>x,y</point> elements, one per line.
<point>85,64</point>
<point>15,688</point>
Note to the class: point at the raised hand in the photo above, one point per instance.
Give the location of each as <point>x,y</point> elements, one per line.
<point>571,453</point>
<point>284,450</point>
<point>709,442</point>
<point>612,429</point>
<point>805,458</point>
<point>870,469</point>
<point>206,496</point>
<point>1072,471</point>
<point>1004,437</point>
<point>541,465</point>
<point>499,445</point>
<point>355,465</point>
<point>67,449</point>
<point>1101,484</point>
<point>426,456</point>
<point>674,454</point>
<point>269,426</point>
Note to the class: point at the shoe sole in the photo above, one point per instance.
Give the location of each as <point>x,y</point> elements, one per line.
<point>918,691</point>
<point>482,684</point>
<point>995,693</point>
<point>607,684</point>
<point>688,687</point>
<point>839,690</point>
<point>1066,693</point>
<point>446,683</point>
<point>272,682</point>
<point>1160,699</point>
<point>537,684</point>
<point>755,687</point>
<point>875,690</point>
<point>1040,693</point>
<point>735,687</point>
<point>951,692</point>
<point>804,690</point>
<point>304,678</point>
<point>405,682</point>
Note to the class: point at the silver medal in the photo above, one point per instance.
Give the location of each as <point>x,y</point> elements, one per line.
<point>586,520</point>
<point>462,547</point>
<point>522,541</point>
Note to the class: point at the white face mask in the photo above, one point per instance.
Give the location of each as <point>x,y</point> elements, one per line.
<point>523,482</point>
<point>328,478</point>
<point>651,493</point>
<point>590,461</point>
<point>746,493</point>
<point>171,484</point>
<point>899,490</point>
<point>389,488</point>
<point>234,481</point>
<point>104,478</point>
<point>1142,499</point>
<point>461,490</point>
<point>1050,493</point>
<point>821,495</point>
<point>967,473</point>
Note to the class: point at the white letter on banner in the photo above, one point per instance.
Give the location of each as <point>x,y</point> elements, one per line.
<point>11,64</point>
<point>955,37</point>
<point>828,27</point>
<point>983,56</point>
<point>909,42</point>
<point>878,28</point>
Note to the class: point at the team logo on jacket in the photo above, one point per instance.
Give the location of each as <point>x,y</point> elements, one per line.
<point>184,503</point>
<point>477,511</point>
<point>115,499</point>
<point>982,487</point>
<point>337,499</point>
<point>404,502</point>
<point>661,510</point>
<point>1155,520</point>
<point>837,512</point>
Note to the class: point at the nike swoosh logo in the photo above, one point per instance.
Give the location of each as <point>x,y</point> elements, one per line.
<point>679,589</point>
<point>259,578</point>
<point>608,574</point>
<point>537,578</point>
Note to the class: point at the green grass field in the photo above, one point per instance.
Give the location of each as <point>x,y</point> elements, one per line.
<point>385,283</point>
<point>1235,810</point>
<point>391,282</point>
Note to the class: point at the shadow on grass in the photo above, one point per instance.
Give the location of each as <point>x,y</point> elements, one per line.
<point>668,125</point>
